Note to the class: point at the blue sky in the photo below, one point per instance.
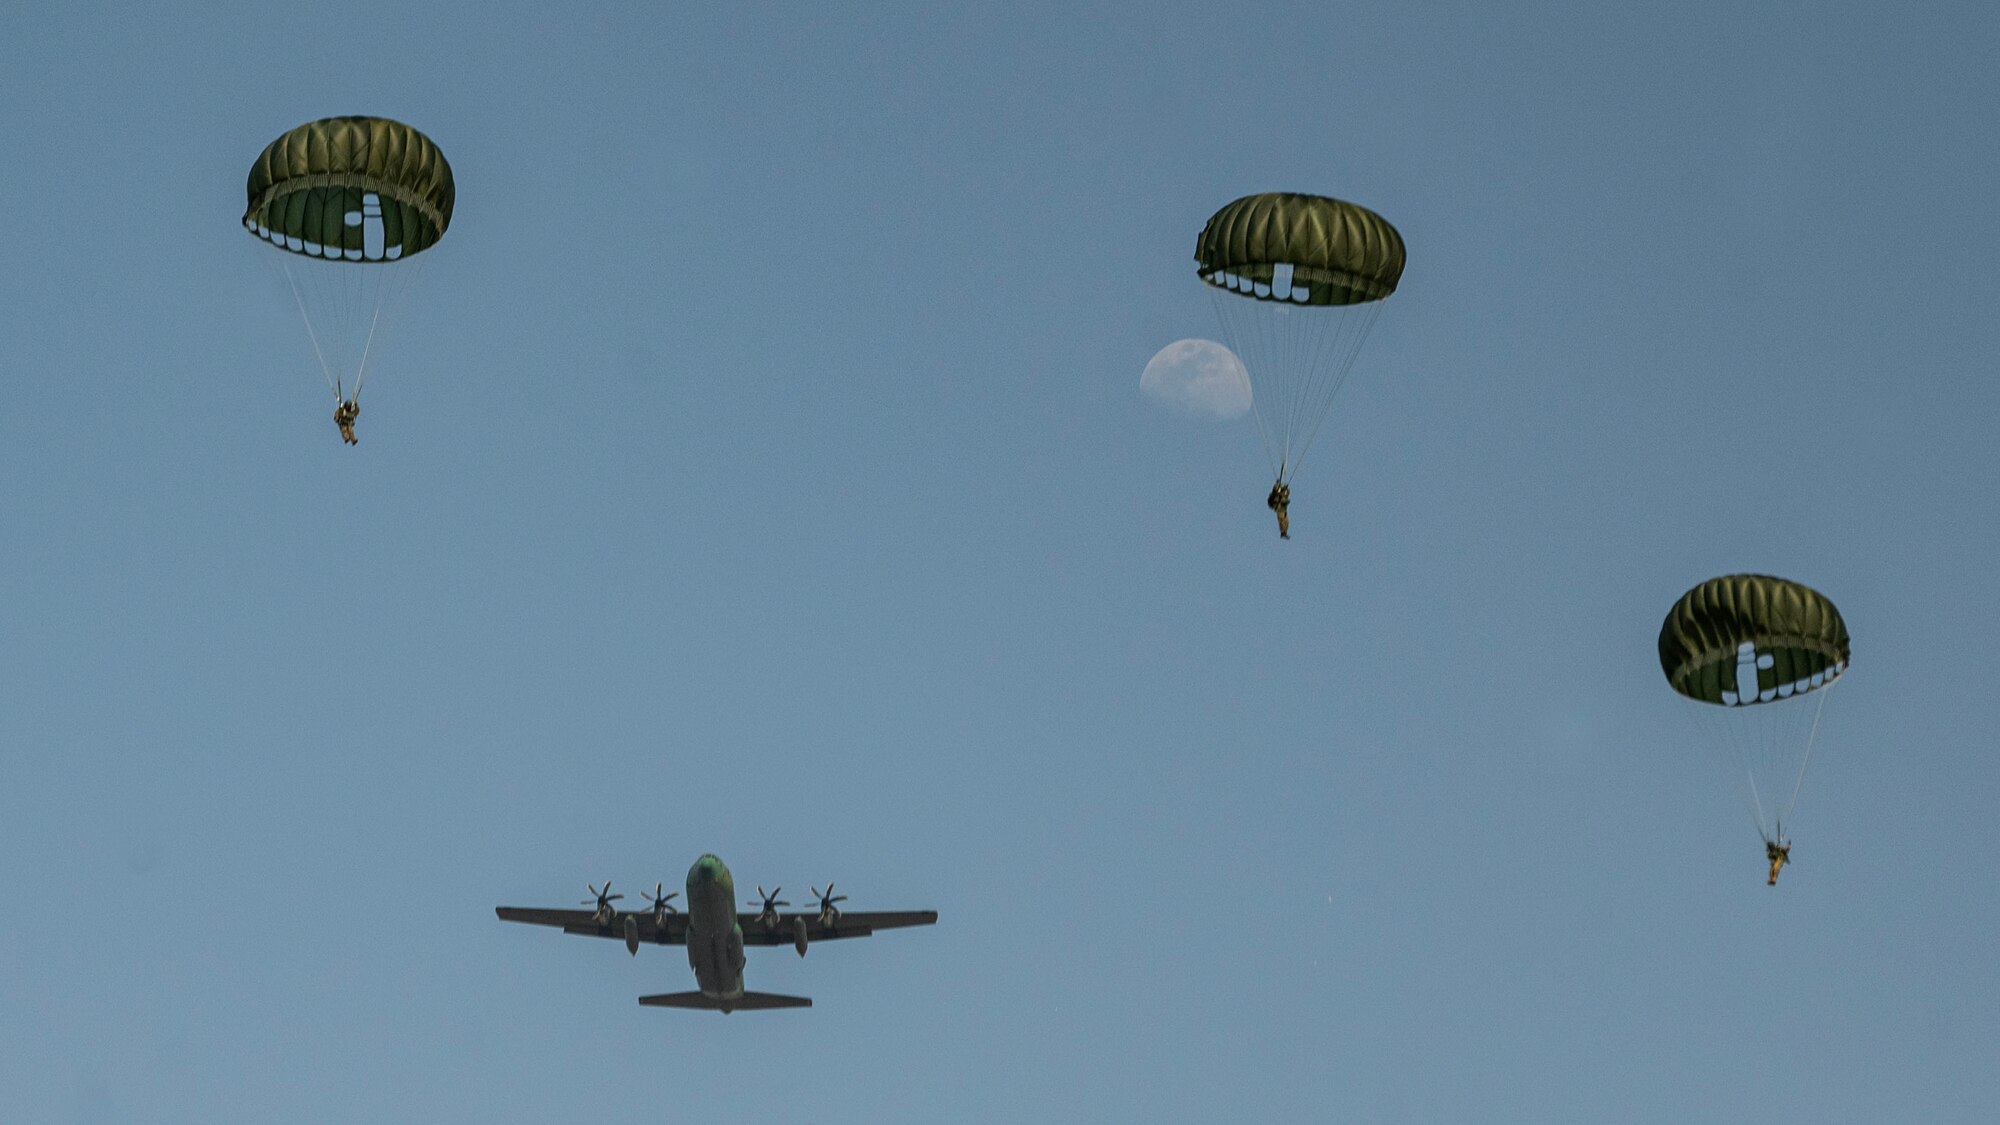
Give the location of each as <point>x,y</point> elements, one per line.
<point>759,466</point>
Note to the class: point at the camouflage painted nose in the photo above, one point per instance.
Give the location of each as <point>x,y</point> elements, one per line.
<point>707,871</point>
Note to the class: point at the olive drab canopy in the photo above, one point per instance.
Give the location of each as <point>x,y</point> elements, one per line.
<point>348,201</point>
<point>1745,648</point>
<point>1338,253</point>
<point>1796,636</point>
<point>1297,282</point>
<point>310,190</point>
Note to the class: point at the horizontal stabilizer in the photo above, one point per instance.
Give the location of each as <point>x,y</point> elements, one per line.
<point>749,1001</point>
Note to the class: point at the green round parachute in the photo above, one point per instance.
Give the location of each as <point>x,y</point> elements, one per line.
<point>1297,282</point>
<point>1305,249</point>
<point>362,189</point>
<point>1751,638</point>
<point>348,201</point>
<point>1752,646</point>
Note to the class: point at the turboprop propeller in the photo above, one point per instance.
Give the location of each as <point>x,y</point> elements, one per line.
<point>829,914</point>
<point>604,899</point>
<point>767,915</point>
<point>661,903</point>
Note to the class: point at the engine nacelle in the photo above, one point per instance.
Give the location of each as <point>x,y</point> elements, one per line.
<point>799,935</point>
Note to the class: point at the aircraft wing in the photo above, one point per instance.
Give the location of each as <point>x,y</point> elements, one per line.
<point>585,922</point>
<point>852,923</point>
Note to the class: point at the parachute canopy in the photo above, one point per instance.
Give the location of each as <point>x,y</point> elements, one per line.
<point>1751,638</point>
<point>360,189</point>
<point>1305,249</point>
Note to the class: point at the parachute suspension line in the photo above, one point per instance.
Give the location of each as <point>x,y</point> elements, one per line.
<point>1782,745</point>
<point>1711,733</point>
<point>391,282</point>
<point>1344,346</point>
<point>1753,736</point>
<point>361,372</point>
<point>1739,733</point>
<point>332,299</point>
<point>1812,736</point>
<point>1776,745</point>
<point>1244,342</point>
<point>1298,358</point>
<point>1772,742</point>
<point>1737,739</point>
<point>1293,377</point>
<point>1306,349</point>
<point>1779,746</point>
<point>1753,731</point>
<point>354,284</point>
<point>1757,805</point>
<point>331,383</point>
<point>1745,750</point>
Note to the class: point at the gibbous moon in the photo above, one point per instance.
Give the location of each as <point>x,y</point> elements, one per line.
<point>1198,377</point>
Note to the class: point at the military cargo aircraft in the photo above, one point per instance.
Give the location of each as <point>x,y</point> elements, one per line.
<point>715,932</point>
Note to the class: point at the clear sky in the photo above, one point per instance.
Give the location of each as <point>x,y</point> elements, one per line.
<point>759,466</point>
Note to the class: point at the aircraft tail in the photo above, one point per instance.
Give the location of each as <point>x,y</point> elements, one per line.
<point>749,1001</point>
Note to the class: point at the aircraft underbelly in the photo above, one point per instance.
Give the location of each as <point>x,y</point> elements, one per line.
<point>717,961</point>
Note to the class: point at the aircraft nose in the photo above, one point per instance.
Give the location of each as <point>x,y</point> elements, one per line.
<point>706,870</point>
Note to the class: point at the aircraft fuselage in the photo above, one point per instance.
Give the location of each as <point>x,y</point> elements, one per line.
<point>714,940</point>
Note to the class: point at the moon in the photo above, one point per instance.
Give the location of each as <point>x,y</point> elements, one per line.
<point>1198,377</point>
